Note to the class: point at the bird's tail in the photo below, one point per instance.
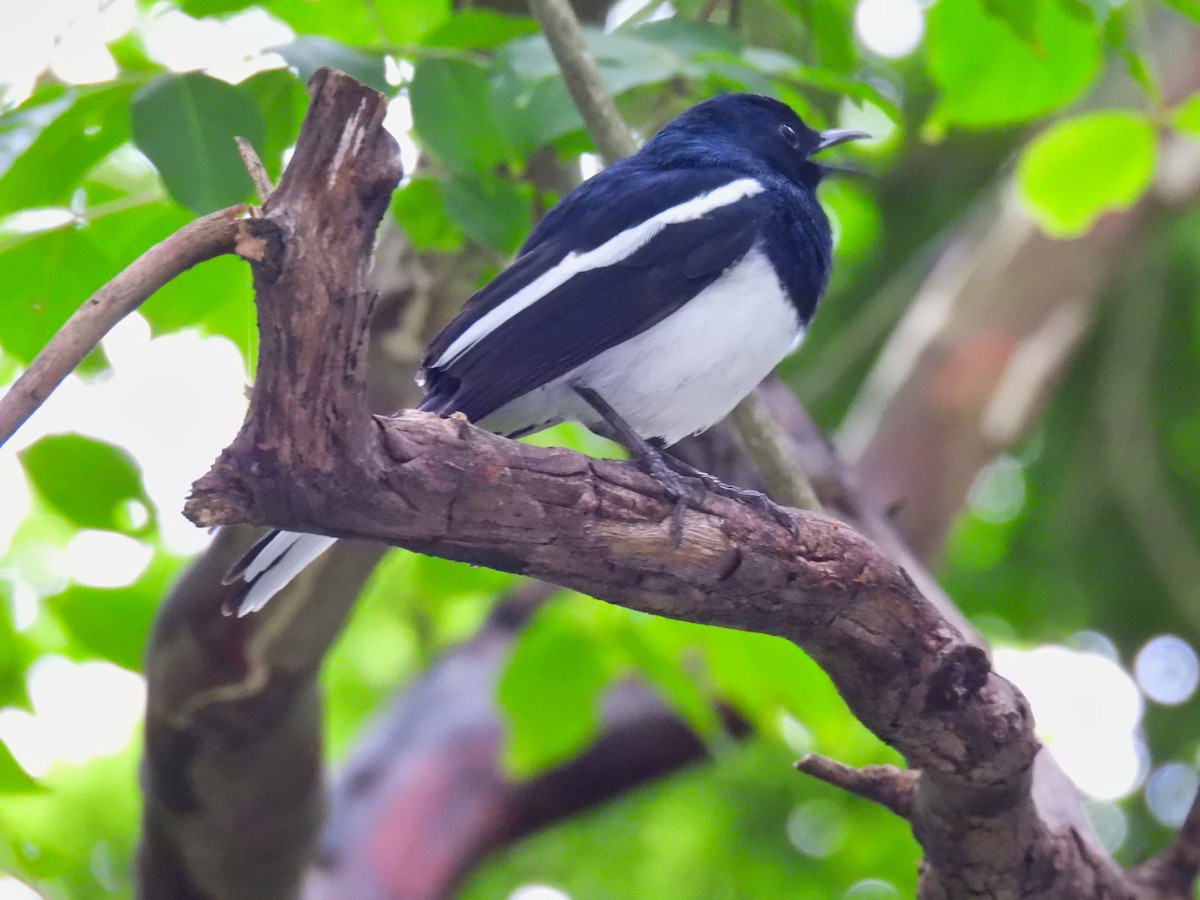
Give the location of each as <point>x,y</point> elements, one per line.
<point>279,556</point>
<point>268,566</point>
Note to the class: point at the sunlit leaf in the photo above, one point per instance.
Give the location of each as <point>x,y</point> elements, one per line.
<point>1085,166</point>
<point>350,23</point>
<point>1017,15</point>
<point>215,297</point>
<point>186,125</point>
<point>550,691</point>
<point>14,779</point>
<point>88,481</point>
<point>36,306</point>
<point>1185,117</point>
<point>15,654</point>
<point>73,127</point>
<point>988,76</point>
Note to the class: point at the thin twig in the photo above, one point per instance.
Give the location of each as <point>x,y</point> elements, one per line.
<point>600,115</point>
<point>769,447</point>
<point>255,169</point>
<point>209,236</point>
<point>888,786</point>
<point>764,439</point>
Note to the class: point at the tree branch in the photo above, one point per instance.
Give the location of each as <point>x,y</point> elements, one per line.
<point>886,785</point>
<point>209,236</point>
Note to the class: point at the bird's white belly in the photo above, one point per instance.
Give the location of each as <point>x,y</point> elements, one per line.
<point>685,373</point>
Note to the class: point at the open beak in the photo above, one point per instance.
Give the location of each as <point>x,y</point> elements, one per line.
<point>835,136</point>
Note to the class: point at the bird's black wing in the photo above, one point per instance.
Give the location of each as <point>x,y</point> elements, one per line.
<point>596,309</point>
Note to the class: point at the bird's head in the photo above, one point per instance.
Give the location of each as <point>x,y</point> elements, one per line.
<point>749,130</point>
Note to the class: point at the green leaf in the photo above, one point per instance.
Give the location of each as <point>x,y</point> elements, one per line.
<point>110,623</point>
<point>201,8</point>
<point>453,114</point>
<point>420,208</point>
<point>625,60</point>
<point>281,102</point>
<point>1017,15</point>
<point>988,76</point>
<point>550,691</point>
<point>53,139</point>
<point>491,210</point>
<point>14,779</point>
<point>690,39</point>
<point>307,54</point>
<point>15,654</point>
<point>659,649</point>
<point>86,480</point>
<point>215,297</point>
<point>1185,118</point>
<point>36,306</point>
<point>1083,167</point>
<point>527,84</point>
<point>349,23</point>
<point>478,29</point>
<point>186,124</point>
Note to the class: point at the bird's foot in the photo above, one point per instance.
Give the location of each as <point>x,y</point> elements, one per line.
<point>687,486</point>
<point>679,487</point>
<point>756,499</point>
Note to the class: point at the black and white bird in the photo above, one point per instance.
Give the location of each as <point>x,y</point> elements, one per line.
<point>645,305</point>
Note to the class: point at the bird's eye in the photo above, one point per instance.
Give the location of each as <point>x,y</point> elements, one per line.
<point>789,135</point>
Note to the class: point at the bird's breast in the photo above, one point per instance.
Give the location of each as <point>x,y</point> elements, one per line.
<point>688,371</point>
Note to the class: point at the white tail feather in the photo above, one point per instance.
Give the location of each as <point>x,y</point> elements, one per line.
<point>284,556</point>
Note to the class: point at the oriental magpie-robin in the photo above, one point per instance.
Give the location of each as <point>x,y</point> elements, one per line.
<point>645,305</point>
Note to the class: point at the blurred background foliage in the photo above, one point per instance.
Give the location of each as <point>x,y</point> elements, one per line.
<point>116,126</point>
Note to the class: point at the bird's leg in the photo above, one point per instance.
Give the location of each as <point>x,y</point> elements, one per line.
<point>652,460</point>
<point>757,499</point>
<point>670,471</point>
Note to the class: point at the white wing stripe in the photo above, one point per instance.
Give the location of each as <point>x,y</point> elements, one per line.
<point>612,251</point>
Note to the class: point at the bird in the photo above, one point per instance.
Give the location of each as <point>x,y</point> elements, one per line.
<point>645,305</point>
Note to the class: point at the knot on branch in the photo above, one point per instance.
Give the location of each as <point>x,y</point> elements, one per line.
<point>261,243</point>
<point>961,675</point>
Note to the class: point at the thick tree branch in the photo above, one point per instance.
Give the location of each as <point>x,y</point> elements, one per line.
<point>212,235</point>
<point>232,770</point>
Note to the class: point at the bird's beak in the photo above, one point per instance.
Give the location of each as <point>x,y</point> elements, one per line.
<point>835,136</point>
